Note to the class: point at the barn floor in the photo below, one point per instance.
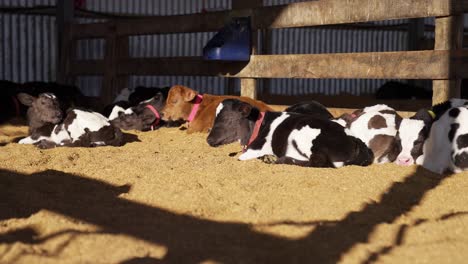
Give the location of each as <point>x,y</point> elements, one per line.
<point>167,197</point>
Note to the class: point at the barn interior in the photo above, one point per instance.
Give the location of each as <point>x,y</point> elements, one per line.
<point>166,196</point>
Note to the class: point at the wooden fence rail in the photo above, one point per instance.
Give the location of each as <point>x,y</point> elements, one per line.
<point>373,65</point>
<point>445,64</point>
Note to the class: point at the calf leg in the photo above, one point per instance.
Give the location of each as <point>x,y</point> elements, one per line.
<point>117,140</point>
<point>320,159</point>
<point>292,161</point>
<point>46,144</point>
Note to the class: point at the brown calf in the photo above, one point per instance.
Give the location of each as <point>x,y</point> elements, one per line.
<point>181,100</point>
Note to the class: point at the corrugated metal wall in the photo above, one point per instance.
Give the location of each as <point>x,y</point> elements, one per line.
<point>27,44</point>
<point>28,47</point>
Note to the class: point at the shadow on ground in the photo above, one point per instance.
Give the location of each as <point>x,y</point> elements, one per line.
<point>193,240</point>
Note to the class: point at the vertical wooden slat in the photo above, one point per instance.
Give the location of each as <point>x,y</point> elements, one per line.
<point>448,36</point>
<point>66,47</point>
<point>110,60</point>
<point>123,47</point>
<point>266,48</point>
<point>249,85</point>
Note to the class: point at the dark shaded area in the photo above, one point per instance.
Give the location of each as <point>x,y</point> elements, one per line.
<point>190,239</point>
<point>144,260</point>
<point>399,90</point>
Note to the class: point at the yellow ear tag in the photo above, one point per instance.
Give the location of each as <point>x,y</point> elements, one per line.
<point>432,114</point>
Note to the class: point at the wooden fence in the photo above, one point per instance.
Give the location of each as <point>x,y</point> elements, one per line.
<point>446,65</point>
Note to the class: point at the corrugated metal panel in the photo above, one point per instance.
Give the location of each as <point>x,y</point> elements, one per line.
<point>155,45</point>
<point>27,44</point>
<point>27,50</point>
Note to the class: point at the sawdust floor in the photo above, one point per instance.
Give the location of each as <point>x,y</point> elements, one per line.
<point>167,197</point>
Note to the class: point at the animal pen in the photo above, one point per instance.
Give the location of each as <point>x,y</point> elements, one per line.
<point>445,65</point>
<point>166,196</point>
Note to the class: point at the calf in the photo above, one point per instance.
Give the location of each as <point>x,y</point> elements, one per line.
<point>186,104</point>
<point>293,138</point>
<point>132,97</point>
<point>377,127</point>
<point>145,116</point>
<point>413,131</point>
<point>48,128</point>
<point>311,108</point>
<point>446,148</point>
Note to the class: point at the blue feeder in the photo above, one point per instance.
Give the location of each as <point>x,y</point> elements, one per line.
<point>231,43</point>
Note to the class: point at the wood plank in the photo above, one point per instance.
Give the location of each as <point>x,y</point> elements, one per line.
<point>448,37</point>
<point>301,14</point>
<point>248,87</point>
<point>373,65</point>
<point>87,67</point>
<point>314,13</point>
<point>91,30</point>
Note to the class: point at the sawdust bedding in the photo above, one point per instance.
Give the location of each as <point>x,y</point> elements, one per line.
<point>166,196</point>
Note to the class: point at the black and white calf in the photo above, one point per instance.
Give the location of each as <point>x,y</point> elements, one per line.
<point>144,116</point>
<point>413,132</point>
<point>377,127</point>
<point>48,127</point>
<point>312,108</point>
<point>128,98</point>
<point>293,138</point>
<point>446,148</point>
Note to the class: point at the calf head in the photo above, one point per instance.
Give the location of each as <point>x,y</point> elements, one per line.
<point>143,116</point>
<point>234,122</point>
<point>43,109</point>
<point>346,119</point>
<point>123,95</point>
<point>412,133</point>
<point>179,103</point>
<point>141,93</point>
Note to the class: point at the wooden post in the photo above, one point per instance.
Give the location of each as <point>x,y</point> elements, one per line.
<point>267,48</point>
<point>448,36</point>
<point>110,60</point>
<point>249,85</point>
<point>65,45</point>
<point>117,48</point>
<point>123,52</point>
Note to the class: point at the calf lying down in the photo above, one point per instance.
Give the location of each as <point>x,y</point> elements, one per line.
<point>79,128</point>
<point>144,117</point>
<point>437,139</point>
<point>377,127</point>
<point>293,138</point>
<point>132,97</point>
<point>446,148</point>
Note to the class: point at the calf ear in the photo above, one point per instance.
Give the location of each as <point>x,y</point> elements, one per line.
<point>245,109</point>
<point>26,99</point>
<point>189,95</point>
<point>423,114</point>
